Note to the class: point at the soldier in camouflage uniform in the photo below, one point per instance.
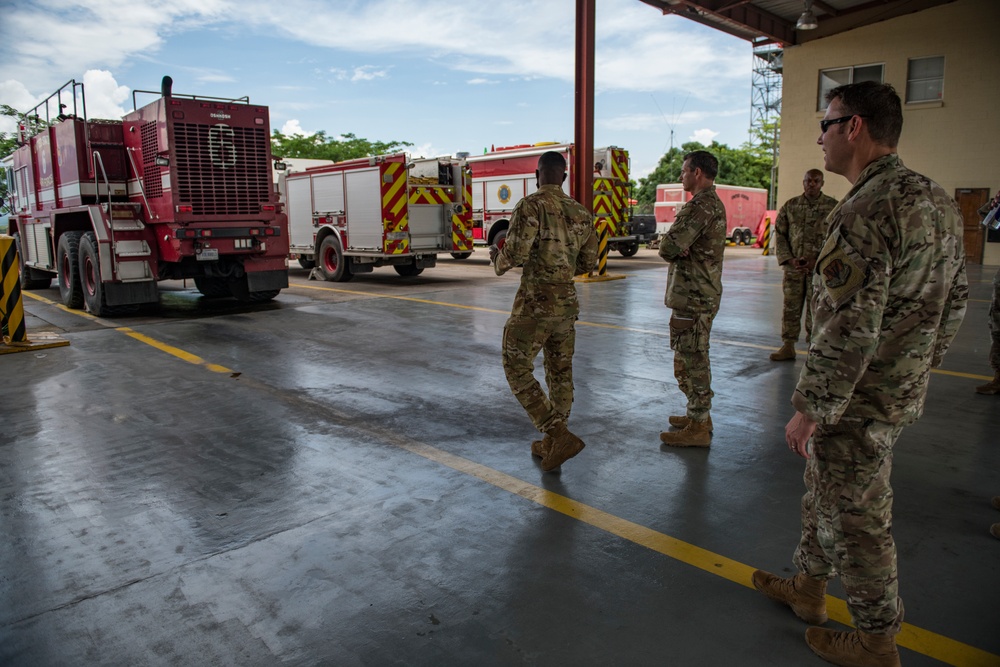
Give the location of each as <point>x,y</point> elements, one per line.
<point>799,232</point>
<point>891,294</point>
<point>553,237</point>
<point>694,247</point>
<point>993,387</point>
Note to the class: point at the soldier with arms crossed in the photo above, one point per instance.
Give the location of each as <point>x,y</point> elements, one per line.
<point>799,232</point>
<point>891,293</point>
<point>694,246</point>
<point>553,237</point>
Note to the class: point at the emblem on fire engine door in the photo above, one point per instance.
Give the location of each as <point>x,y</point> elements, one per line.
<point>503,194</point>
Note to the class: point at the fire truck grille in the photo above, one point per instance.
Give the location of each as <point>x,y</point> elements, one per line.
<point>222,170</point>
<point>152,183</point>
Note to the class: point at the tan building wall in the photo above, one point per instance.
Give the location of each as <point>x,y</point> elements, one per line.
<point>955,141</point>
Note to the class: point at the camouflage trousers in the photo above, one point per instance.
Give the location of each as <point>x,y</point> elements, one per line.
<point>689,334</point>
<point>995,324</point>
<point>847,520</point>
<point>797,291</point>
<point>523,339</point>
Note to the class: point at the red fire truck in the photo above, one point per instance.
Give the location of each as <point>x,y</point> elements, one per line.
<point>744,208</point>
<point>180,188</point>
<point>388,210</point>
<point>503,176</point>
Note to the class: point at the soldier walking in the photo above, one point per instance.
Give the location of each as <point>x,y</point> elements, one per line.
<point>891,294</point>
<point>694,246</point>
<point>553,237</point>
<point>799,232</point>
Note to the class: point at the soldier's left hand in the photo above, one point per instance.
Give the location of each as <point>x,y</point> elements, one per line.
<point>494,251</point>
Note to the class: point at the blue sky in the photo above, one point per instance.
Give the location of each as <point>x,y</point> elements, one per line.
<point>446,76</point>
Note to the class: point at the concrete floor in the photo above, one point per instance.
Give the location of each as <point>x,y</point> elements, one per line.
<point>342,478</point>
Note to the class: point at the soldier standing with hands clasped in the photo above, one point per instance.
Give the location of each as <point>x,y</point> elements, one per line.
<point>694,246</point>
<point>552,235</point>
<point>891,294</point>
<point>799,232</point>
<point>993,387</point>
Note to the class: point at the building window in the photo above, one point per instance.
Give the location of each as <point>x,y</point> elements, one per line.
<point>831,78</point>
<point>925,79</point>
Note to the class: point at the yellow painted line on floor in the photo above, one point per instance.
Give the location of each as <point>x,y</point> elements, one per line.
<point>174,351</point>
<point>598,325</point>
<point>923,641</point>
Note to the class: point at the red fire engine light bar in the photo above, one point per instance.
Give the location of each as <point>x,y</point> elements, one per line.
<point>175,102</point>
<point>267,207</point>
<point>185,208</point>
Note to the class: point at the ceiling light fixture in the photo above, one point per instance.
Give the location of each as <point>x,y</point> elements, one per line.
<point>808,20</point>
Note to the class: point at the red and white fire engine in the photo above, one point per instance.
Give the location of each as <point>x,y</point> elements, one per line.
<point>180,188</point>
<point>350,217</point>
<point>503,176</point>
<point>744,208</point>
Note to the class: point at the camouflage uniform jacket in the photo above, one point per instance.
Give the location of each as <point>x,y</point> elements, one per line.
<point>800,228</point>
<point>553,236</point>
<point>694,282</point>
<point>891,294</point>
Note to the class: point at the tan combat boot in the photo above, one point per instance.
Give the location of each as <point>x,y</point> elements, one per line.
<point>564,446</point>
<point>853,649</point>
<point>680,421</point>
<point>995,530</point>
<point>805,595</point>
<point>786,353</point>
<point>695,434</point>
<point>990,388</point>
<point>539,448</point>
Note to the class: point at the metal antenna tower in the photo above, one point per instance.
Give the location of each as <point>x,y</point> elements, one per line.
<point>765,103</point>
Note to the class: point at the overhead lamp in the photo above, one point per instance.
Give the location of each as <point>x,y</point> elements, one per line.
<point>808,20</point>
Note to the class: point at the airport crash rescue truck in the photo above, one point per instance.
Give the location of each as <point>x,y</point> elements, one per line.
<point>504,176</point>
<point>389,210</point>
<point>745,207</point>
<point>180,188</point>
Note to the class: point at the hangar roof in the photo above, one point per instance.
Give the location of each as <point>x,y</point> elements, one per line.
<point>773,21</point>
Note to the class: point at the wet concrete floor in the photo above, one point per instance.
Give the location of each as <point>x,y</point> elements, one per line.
<point>342,477</point>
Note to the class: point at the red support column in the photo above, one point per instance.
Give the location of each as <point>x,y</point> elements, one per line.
<point>583,159</point>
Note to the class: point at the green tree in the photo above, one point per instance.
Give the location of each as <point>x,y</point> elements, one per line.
<point>749,165</point>
<point>8,143</point>
<point>321,147</point>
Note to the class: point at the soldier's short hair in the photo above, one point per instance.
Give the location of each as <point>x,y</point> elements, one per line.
<point>552,162</point>
<point>705,161</point>
<point>877,103</point>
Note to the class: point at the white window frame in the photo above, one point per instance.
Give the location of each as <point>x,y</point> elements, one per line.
<point>910,80</point>
<point>821,103</point>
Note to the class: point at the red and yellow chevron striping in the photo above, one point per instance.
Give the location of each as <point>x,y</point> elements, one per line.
<point>395,232</point>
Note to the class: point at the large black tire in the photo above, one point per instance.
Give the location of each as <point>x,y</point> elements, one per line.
<point>213,287</point>
<point>330,261</point>
<point>68,263</point>
<point>94,297</point>
<point>629,249</point>
<point>262,296</point>
<point>461,255</point>
<point>500,238</point>
<point>306,263</point>
<point>407,270</point>
<point>747,237</point>
<point>30,278</point>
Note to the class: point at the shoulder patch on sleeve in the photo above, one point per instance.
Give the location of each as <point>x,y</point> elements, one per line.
<point>841,269</point>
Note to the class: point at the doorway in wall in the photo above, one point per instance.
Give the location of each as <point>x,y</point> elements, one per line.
<point>969,200</point>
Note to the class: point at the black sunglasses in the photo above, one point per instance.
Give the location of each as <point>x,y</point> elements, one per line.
<point>824,125</point>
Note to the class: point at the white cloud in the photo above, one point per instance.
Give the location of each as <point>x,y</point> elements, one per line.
<point>104,95</point>
<point>292,127</point>
<point>480,82</point>
<point>368,73</point>
<point>704,136</point>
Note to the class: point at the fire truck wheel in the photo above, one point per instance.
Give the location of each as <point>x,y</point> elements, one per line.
<point>747,237</point>
<point>461,255</point>
<point>68,261</point>
<point>306,263</point>
<point>629,249</point>
<point>213,287</point>
<point>407,270</point>
<point>500,239</point>
<point>90,276</point>
<point>30,278</point>
<point>331,263</point>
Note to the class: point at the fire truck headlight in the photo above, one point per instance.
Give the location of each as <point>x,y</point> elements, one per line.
<point>162,161</point>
